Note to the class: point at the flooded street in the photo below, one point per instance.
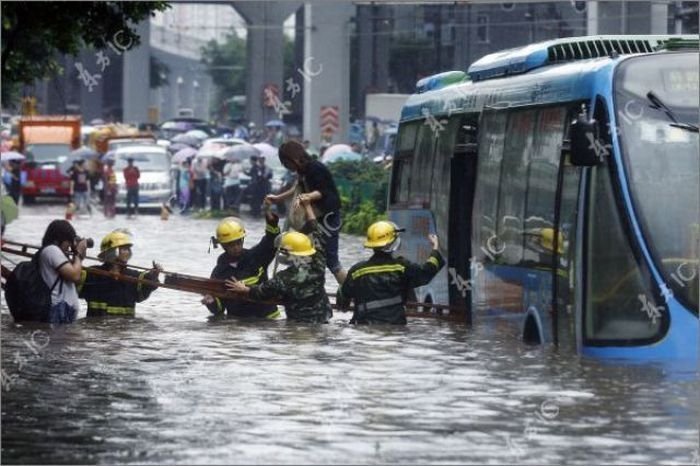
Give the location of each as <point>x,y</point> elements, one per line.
<point>170,386</point>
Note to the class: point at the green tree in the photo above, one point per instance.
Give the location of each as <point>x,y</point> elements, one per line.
<point>226,66</point>
<point>35,34</point>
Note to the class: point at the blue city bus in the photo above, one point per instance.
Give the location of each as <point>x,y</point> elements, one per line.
<point>563,181</point>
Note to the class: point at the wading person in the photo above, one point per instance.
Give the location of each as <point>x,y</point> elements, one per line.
<point>300,287</point>
<point>106,296</point>
<point>131,180</point>
<point>316,185</point>
<point>59,271</point>
<point>379,286</point>
<point>247,265</point>
<point>109,181</point>
<point>79,187</point>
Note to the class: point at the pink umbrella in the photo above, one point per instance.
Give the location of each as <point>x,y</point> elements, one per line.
<point>184,154</point>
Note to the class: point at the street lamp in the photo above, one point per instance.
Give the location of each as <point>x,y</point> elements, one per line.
<point>178,103</point>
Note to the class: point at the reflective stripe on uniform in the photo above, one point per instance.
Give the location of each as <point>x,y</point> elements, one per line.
<point>254,279</point>
<point>271,229</point>
<point>139,286</point>
<point>114,310</point>
<point>377,269</point>
<point>379,303</point>
<point>433,261</point>
<point>219,305</point>
<point>83,278</point>
<point>274,314</point>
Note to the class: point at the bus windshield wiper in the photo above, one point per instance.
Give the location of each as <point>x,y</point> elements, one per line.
<point>658,104</point>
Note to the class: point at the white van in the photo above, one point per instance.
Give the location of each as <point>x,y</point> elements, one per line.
<point>155,184</point>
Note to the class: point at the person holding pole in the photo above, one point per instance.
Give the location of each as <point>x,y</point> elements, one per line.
<point>248,265</point>
<point>108,296</point>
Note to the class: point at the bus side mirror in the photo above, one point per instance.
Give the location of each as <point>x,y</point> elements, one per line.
<point>586,149</point>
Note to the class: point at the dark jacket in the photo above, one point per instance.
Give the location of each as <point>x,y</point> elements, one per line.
<point>106,296</point>
<point>301,286</point>
<point>380,286</point>
<point>251,269</point>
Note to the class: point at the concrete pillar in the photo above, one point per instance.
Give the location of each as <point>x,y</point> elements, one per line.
<point>628,17</point>
<point>327,45</point>
<point>136,77</point>
<point>265,53</point>
<point>659,17</point>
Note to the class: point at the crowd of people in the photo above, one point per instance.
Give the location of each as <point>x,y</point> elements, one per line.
<point>378,287</point>
<point>220,183</point>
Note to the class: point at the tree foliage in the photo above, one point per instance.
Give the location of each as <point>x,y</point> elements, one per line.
<point>35,34</point>
<point>226,65</point>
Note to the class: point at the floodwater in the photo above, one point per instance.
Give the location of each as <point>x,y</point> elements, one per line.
<point>173,387</point>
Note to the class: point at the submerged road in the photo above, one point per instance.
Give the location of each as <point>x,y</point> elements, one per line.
<point>170,386</point>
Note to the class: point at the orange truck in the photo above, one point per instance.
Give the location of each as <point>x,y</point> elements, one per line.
<point>45,141</point>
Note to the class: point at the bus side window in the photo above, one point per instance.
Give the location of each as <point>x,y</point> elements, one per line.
<point>541,187</point>
<point>403,159</point>
<point>513,187</point>
<point>423,165</point>
<point>491,136</point>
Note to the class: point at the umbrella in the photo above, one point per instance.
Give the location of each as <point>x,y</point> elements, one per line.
<point>84,153</point>
<point>197,133</point>
<point>11,155</point>
<point>346,156</point>
<point>275,123</point>
<point>336,149</point>
<point>266,150</point>
<point>241,152</point>
<point>189,140</point>
<point>211,152</point>
<point>184,154</point>
<point>177,147</point>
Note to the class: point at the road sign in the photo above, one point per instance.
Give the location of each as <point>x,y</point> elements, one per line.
<point>330,121</point>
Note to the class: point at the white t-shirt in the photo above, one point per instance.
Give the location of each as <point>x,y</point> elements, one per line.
<point>232,173</point>
<point>51,259</point>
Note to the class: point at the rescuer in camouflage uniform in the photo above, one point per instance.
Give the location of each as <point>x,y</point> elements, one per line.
<point>107,296</point>
<point>300,287</point>
<point>379,286</point>
<point>247,265</point>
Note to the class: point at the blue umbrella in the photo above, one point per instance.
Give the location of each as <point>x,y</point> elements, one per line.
<point>275,123</point>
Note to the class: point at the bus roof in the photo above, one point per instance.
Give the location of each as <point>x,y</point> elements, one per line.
<point>523,59</point>
<point>564,80</point>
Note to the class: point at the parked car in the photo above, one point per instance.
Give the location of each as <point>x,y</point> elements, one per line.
<point>155,184</point>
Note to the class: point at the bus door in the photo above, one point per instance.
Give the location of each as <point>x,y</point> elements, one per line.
<point>462,182</point>
<point>564,247</point>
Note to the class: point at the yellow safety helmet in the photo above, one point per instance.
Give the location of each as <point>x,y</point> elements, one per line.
<point>297,244</point>
<point>229,229</point>
<point>381,233</point>
<point>113,240</point>
<point>547,240</point>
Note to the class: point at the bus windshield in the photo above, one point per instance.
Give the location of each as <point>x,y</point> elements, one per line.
<point>656,100</point>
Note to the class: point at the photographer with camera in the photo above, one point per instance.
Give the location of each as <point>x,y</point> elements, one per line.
<point>60,265</point>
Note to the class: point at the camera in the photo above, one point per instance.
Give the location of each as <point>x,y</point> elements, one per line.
<point>89,242</point>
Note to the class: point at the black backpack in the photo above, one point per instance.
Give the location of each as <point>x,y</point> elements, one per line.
<point>26,293</point>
